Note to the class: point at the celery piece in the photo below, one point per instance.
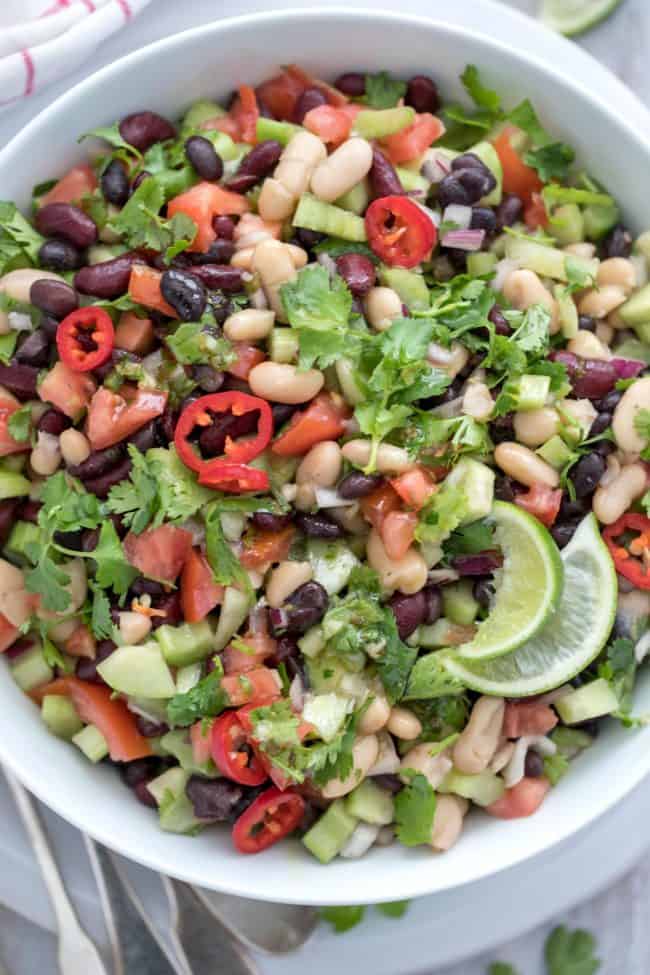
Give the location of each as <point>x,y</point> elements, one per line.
<point>92,743</point>
<point>282,132</point>
<point>326,218</point>
<point>377,124</point>
<point>185,644</point>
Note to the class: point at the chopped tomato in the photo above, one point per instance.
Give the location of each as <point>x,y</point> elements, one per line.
<point>159,553</point>
<point>523,799</point>
<point>199,592</point>
<point>377,505</point>
<point>535,214</point>
<point>268,819</point>
<point>69,391</point>
<point>412,141</point>
<point>332,125</point>
<point>144,288</point>
<point>8,406</point>
<point>542,502</point>
<point>267,547</point>
<point>261,646</point>
<point>399,231</point>
<point>81,643</point>
<point>281,92</point>
<point>398,532</point>
<point>333,95</point>
<point>203,202</point>
<point>248,356</point>
<point>259,686</point>
<point>518,178</point>
<point>415,487</point>
<point>78,182</point>
<point>134,334</point>
<point>245,114</point>
<point>96,705</point>
<point>528,718</point>
<point>324,419</point>
<point>232,752</point>
<point>114,416</point>
<point>200,738</point>
<point>8,633</point>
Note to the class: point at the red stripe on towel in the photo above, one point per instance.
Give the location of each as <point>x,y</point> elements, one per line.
<point>29,71</point>
<point>125,8</point>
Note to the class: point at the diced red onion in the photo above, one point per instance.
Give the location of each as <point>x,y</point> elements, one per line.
<point>627,368</point>
<point>279,619</point>
<point>460,215</point>
<point>501,271</point>
<point>464,240</point>
<point>436,166</point>
<point>481,564</point>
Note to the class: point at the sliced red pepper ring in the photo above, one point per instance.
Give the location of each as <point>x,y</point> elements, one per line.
<point>268,819</point>
<point>232,752</point>
<point>631,558</point>
<point>234,478</point>
<point>399,231</point>
<point>207,410</point>
<point>85,338</point>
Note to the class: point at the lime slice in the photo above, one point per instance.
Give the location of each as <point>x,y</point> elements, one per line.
<point>575,634</point>
<point>528,584</point>
<point>575,16</point>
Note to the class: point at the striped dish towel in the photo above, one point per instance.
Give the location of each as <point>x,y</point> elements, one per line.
<point>43,40</point>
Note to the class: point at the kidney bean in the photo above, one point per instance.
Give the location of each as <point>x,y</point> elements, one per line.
<point>70,539</point>
<point>499,320</point>
<point>54,297</point>
<point>586,474</point>
<point>67,221</point>
<point>352,83</point>
<point>383,177</point>
<point>434,604</point>
<point>213,800</point>
<point>170,603</point>
<point>422,94</point>
<point>8,509</point>
<point>223,226</point>
<point>142,794</point>
<point>34,350</point>
<point>139,770</point>
<point>144,438</point>
<point>59,255</point>
<point>600,424</point>
<point>308,99</point>
<point>358,485</point>
<point>483,218</point>
<point>618,242</point>
<point>115,183</point>
<point>204,158</point>
<point>483,591</point>
<point>509,211</point>
<point>219,252</point>
<point>318,525</point>
<point>266,521</point>
<point>304,608</point>
<point>19,380</point>
<point>590,378</point>
<point>100,486</point>
<point>49,325</point>
<point>210,380</point>
<point>533,765</point>
<point>256,165</point>
<point>142,129</point>
<point>184,293</point>
<point>409,612</point>
<point>288,653</point>
<point>219,277</point>
<point>150,729</point>
<point>29,511</point>
<point>586,323</point>
<point>87,669</point>
<point>308,238</point>
<point>357,271</point>
<point>281,413</point>
<point>108,279</point>
<point>609,403</point>
<point>90,539</point>
<point>142,586</point>
<point>167,425</point>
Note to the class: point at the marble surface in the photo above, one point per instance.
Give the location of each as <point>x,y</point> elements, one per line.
<point>619,916</point>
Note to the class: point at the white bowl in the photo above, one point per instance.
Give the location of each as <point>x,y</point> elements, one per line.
<point>209,62</point>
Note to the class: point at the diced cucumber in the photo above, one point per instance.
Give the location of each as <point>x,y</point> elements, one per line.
<point>567,312</point>
<point>412,180</point>
<point>326,712</point>
<point>567,224</point>
<point>60,716</point>
<point>458,602</point>
<point>643,332</point>
<point>356,199</point>
<point>185,644</point>
<point>483,789</point>
<point>201,111</point>
<point>30,670</point>
<point>188,677</point>
<point>312,642</point>
<point>589,701</point>
<point>23,534</point>
<point>555,452</point>
<point>330,833</point>
<point>92,743</point>
<point>636,309</point>
<point>325,673</point>
<point>282,132</point>
<point>234,611</point>
<point>424,680</point>
<point>331,562</point>
<point>284,344</point>
<point>371,804</point>
<point>13,485</point>
<point>326,218</point>
<point>634,349</point>
<point>153,710</point>
<point>599,220</point>
<point>530,391</point>
<point>409,285</point>
<point>345,375</point>
<point>377,124</point>
<point>232,524</point>
<point>488,155</point>
<point>171,782</point>
<point>570,741</point>
<point>177,816</point>
<point>178,744</point>
<point>481,262</point>
<point>476,481</point>
<point>139,670</point>
<point>99,253</point>
<point>549,262</point>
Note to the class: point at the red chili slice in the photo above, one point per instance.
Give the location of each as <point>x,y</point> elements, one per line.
<point>267,820</point>
<point>233,755</point>
<point>85,338</point>
<point>633,559</point>
<point>234,478</point>
<point>399,232</point>
<point>203,413</point>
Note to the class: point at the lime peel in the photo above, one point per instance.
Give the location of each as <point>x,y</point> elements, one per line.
<point>571,17</point>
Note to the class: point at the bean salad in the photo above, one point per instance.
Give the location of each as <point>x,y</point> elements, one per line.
<point>324,429</point>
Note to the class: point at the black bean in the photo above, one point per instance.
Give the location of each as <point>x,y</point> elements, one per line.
<point>142,129</point>
<point>210,380</point>
<point>213,799</point>
<point>140,178</point>
<point>288,653</point>
<point>54,297</point>
<point>170,604</point>
<point>308,238</point>
<point>8,510</point>
<point>256,165</point>
<point>476,182</point>
<point>499,320</point>
<point>34,350</point>
<point>483,218</point>
<point>605,447</point>
<point>352,83</point>
<point>219,277</point>
<point>115,183</point>
<point>167,425</point>
<point>383,176</point>
<point>609,403</point>
<point>281,413</point>
<point>504,488</point>
<point>451,191</point>
<point>357,271</point>
<point>618,243</point>
<point>117,355</point>
<point>223,226</point>
<point>19,380</point>
<point>308,99</point>
<point>145,438</point>
<point>586,323</point>
<point>483,591</point>
<point>392,783</point>
<point>572,509</point>
<point>533,765</point>
<point>98,463</point>
<point>468,160</point>
<point>142,586</point>
<point>204,157</point>
<point>600,424</point>
<point>59,255</point>
<point>70,539</point>
<point>318,525</point>
<point>219,252</point>
<point>184,293</point>
<point>304,608</point>
<point>586,474</point>
<point>509,211</point>
<point>50,326</point>
<point>563,532</point>
<point>434,604</point>
<point>67,221</point>
<point>268,522</point>
<point>108,279</point>
<point>139,770</point>
<point>422,94</point>
<point>100,486</point>
<point>86,669</point>
<point>409,612</point>
<point>357,485</point>
<point>150,729</point>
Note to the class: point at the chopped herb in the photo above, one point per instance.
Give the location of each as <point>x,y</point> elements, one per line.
<point>415,809</point>
<point>207,699</point>
<point>20,424</point>
<point>382,91</point>
<point>571,952</point>
<point>343,918</point>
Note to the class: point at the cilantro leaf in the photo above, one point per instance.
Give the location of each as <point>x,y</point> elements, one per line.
<point>135,499</point>
<point>196,342</point>
<point>276,725</point>
<point>20,423</point>
<point>225,565</point>
<point>482,96</point>
<point>100,618</point>
<point>571,952</point>
<point>7,342</point>
<point>441,516</point>
<point>576,275</point>
<point>470,539</point>
<point>382,91</point>
<point>415,809</point>
<point>51,653</point>
<point>112,135</point>
<point>619,668</point>
<point>180,494</point>
<point>343,918</point>
<point>17,236</point>
<point>395,663</point>
<point>645,501</point>
<point>207,699</point>
<point>313,301</point>
<point>49,580</point>
<point>551,161</point>
<point>140,225</point>
<point>112,568</point>
<point>501,968</point>
<point>394,909</point>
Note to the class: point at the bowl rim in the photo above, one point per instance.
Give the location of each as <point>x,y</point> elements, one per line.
<point>420,882</point>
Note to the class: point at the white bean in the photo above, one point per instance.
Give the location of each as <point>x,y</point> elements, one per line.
<point>291,177</point>
<point>433,767</point>
<point>408,575</point>
<point>375,716</point>
<point>350,519</point>
<point>321,465</point>
<point>74,446</point>
<point>617,271</point>
<point>604,332</point>
<point>477,401</point>
<point>599,303</point>
<point>581,249</point>
<point>281,382</point>
<point>134,627</point>
<point>390,459</point>
<point>364,755</point>
<point>610,502</point>
<point>17,285</point>
<point>452,360</point>
<point>346,167</point>
<point>582,411</point>
<point>274,264</point>
<point>45,456</point>
<point>382,306</point>
<point>588,346</point>
<point>285,579</point>
<point>525,466</point>
<point>523,288</point>
<point>636,397</point>
<point>479,740</point>
<point>447,822</point>
<point>404,724</point>
<point>248,325</point>
<point>535,427</point>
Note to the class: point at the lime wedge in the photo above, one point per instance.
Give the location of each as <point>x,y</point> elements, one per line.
<point>574,635</point>
<point>575,16</point>
<point>528,585</point>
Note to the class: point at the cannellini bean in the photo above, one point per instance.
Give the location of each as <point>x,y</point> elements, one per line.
<point>321,465</point>
<point>291,177</point>
<point>375,716</point>
<point>285,579</point>
<point>502,756</point>
<point>62,631</point>
<point>535,427</point>
<point>74,446</point>
<point>525,466</point>
<point>248,325</point>
<point>636,397</point>
<point>404,724</point>
<point>599,303</point>
<point>342,170</point>
<point>350,519</point>
<point>409,575</point>
<point>390,459</point>
<point>273,262</point>
<point>604,332</point>
<point>581,249</point>
<point>615,321</point>
<point>582,411</point>
<point>477,401</point>
<point>382,306</point>
<point>304,498</point>
<point>447,822</point>
<point>364,755</point>
<point>610,502</point>
<point>281,382</point>
<point>588,345</point>
<point>479,740</point>
<point>17,284</point>
<point>14,600</point>
<point>617,271</point>
<point>523,288</point>
<point>45,456</point>
<point>134,627</point>
<point>452,360</point>
<point>387,761</point>
<point>433,767</point>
